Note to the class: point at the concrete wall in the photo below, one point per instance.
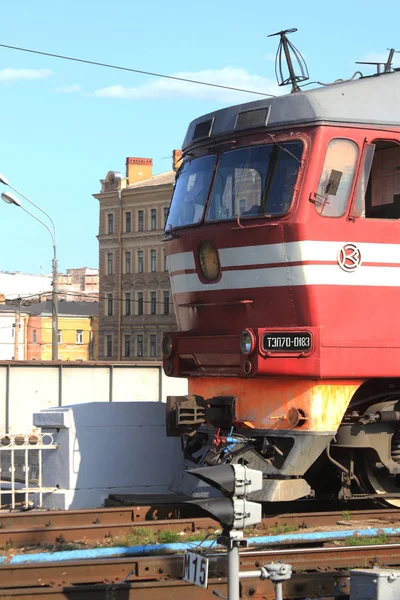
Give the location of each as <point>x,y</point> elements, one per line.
<point>107,448</point>
<point>27,388</point>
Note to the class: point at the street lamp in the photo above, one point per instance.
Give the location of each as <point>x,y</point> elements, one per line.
<point>10,198</point>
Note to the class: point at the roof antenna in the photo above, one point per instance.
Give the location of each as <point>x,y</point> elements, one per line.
<point>291,53</point>
<point>387,66</point>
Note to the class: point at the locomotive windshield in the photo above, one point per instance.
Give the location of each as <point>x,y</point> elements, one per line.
<point>253,181</point>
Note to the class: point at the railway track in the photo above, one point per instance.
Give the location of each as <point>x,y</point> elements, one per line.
<point>35,528</point>
<point>319,572</point>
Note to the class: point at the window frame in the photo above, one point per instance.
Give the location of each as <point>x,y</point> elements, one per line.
<point>139,345</point>
<point>128,304</point>
<point>153,302</point>
<point>108,350</point>
<point>110,304</point>
<point>127,346</point>
<point>128,262</point>
<point>110,263</point>
<point>153,219</point>
<point>319,204</point>
<point>153,260</point>
<point>128,221</point>
<point>79,336</point>
<point>140,256</point>
<point>140,220</point>
<point>140,303</point>
<point>153,345</point>
<point>110,224</point>
<point>166,296</point>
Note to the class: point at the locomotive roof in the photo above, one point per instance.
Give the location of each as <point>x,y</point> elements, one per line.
<point>371,100</point>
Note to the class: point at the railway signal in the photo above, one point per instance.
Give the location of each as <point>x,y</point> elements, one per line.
<point>233,511</point>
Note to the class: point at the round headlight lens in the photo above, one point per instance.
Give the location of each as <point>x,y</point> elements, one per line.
<point>168,368</point>
<point>247,342</point>
<point>167,346</point>
<point>209,264</point>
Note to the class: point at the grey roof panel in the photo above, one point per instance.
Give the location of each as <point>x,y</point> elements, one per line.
<point>76,308</point>
<point>369,100</point>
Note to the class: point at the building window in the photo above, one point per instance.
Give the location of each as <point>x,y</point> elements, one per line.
<point>165,261</point>
<point>110,218</point>
<point>127,263</point>
<point>128,222</point>
<point>110,263</point>
<point>140,261</point>
<point>166,212</point>
<point>109,305</point>
<point>13,331</point>
<point>34,336</point>
<point>79,336</point>
<point>108,346</point>
<point>140,303</point>
<point>59,336</point>
<point>153,296</point>
<point>139,350</point>
<point>154,218</point>
<point>127,303</point>
<point>153,261</point>
<point>127,345</point>
<point>153,344</point>
<point>166,303</point>
<point>140,220</point>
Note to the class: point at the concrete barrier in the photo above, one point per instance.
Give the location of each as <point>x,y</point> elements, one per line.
<point>107,448</point>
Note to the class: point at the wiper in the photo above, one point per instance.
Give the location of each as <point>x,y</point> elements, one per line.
<point>281,147</point>
<point>170,234</point>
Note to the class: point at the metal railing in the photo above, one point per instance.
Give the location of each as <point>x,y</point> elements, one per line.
<point>21,462</point>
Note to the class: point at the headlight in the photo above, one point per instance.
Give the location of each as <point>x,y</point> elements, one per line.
<point>167,346</point>
<point>247,342</point>
<point>209,264</point>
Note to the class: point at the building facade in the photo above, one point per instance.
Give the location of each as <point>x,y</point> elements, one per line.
<point>135,297</point>
<point>79,284</point>
<point>77,331</point>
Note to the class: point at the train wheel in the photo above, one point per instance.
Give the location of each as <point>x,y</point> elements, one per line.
<point>378,479</point>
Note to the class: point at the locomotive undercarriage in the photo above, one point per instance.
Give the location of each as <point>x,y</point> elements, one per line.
<point>364,453</point>
<point>366,450</point>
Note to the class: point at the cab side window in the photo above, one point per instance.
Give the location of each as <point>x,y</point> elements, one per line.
<point>337,178</point>
<point>382,197</point>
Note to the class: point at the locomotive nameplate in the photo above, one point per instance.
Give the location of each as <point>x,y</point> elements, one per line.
<point>288,341</point>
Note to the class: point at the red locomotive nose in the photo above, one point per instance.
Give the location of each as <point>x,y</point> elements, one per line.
<point>284,258</point>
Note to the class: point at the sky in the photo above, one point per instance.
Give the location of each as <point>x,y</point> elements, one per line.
<point>64,125</point>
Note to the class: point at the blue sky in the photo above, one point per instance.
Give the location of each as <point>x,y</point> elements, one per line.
<point>64,125</point>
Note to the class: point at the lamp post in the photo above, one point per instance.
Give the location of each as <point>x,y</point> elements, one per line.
<point>10,198</point>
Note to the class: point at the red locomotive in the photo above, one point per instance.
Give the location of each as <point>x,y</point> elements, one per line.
<point>283,244</point>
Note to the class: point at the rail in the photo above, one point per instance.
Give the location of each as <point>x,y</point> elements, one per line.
<point>159,577</point>
<point>29,445</point>
<point>40,527</point>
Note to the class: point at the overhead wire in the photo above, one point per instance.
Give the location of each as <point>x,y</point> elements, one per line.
<point>95,297</point>
<point>130,70</point>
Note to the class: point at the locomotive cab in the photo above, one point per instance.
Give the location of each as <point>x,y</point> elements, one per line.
<point>283,251</point>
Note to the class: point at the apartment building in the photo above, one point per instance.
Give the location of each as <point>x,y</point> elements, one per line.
<point>135,295</point>
<point>77,331</point>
